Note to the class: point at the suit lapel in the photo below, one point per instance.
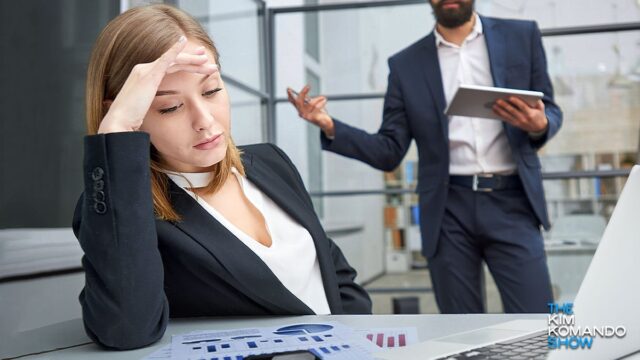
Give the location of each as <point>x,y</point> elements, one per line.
<point>247,271</point>
<point>431,67</point>
<point>497,49</point>
<point>293,204</point>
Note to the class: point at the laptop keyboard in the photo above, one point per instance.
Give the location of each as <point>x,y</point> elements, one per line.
<point>531,346</point>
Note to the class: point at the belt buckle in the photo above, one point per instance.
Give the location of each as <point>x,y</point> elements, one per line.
<point>474,185</point>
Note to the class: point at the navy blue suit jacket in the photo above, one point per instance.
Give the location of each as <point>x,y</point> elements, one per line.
<point>414,107</point>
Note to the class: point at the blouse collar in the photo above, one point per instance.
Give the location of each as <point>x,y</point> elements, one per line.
<point>194,180</point>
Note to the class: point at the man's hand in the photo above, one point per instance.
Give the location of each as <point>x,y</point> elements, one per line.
<point>313,110</point>
<point>518,113</point>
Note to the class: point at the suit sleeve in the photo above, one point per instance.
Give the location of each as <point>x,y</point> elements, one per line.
<point>355,299</point>
<point>385,149</point>
<point>540,81</point>
<point>123,301</point>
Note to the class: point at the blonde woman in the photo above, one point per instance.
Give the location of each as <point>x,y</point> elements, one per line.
<point>175,220</point>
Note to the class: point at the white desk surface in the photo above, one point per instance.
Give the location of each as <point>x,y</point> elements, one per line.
<point>71,333</point>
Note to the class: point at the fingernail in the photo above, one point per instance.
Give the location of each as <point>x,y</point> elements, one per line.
<point>182,39</point>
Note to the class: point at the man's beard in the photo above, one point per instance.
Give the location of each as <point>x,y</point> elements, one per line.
<point>452,18</point>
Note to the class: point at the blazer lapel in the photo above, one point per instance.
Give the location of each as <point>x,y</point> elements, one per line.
<point>430,64</point>
<point>497,49</point>
<point>247,271</point>
<point>295,206</point>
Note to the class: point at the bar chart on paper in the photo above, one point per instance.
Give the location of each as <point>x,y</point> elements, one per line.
<point>390,337</point>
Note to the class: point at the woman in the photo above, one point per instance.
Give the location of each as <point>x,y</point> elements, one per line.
<point>175,220</point>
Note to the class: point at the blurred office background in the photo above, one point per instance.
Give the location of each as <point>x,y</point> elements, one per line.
<point>339,48</point>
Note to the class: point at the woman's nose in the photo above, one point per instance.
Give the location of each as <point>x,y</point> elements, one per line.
<point>202,117</point>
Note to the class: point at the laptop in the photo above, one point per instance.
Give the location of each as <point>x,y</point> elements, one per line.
<point>609,296</point>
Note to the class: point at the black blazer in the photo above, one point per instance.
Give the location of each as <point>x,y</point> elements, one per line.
<point>140,270</point>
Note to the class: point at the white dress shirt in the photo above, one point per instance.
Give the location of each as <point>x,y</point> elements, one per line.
<point>476,145</point>
<point>292,254</point>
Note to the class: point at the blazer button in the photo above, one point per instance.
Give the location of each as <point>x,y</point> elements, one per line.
<point>98,185</point>
<point>97,174</point>
<point>100,207</point>
<point>98,196</point>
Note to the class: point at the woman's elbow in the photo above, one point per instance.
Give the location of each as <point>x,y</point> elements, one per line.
<point>123,337</point>
<point>125,331</point>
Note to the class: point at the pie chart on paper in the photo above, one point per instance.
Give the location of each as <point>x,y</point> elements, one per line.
<point>303,329</point>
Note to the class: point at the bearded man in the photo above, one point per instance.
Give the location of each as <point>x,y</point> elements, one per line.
<point>479,181</point>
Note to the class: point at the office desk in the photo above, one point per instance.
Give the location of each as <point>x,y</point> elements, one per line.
<point>429,327</point>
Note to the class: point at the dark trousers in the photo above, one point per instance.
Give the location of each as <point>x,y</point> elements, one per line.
<point>500,228</point>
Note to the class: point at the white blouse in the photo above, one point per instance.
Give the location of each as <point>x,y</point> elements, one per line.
<point>292,254</point>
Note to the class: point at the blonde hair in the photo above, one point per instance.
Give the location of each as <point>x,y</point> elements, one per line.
<point>141,35</point>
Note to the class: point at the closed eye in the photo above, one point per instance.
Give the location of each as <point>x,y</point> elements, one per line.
<point>169,110</point>
<point>211,92</point>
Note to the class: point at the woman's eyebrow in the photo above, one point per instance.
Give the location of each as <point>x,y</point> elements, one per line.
<point>204,78</point>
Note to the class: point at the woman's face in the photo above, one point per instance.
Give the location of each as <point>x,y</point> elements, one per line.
<point>188,120</point>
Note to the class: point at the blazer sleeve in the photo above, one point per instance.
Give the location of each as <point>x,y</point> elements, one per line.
<point>385,149</point>
<point>540,81</point>
<point>355,300</point>
<point>123,300</point>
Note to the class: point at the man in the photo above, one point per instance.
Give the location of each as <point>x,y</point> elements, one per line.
<point>479,181</point>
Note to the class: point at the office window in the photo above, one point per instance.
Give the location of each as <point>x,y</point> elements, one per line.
<point>314,150</point>
<point>312,32</point>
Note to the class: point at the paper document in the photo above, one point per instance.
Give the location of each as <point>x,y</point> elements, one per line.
<point>331,341</point>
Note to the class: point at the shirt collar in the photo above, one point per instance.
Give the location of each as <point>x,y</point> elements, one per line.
<point>194,180</point>
<point>475,32</point>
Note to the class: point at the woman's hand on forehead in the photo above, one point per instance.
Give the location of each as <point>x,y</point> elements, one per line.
<point>196,61</point>
<point>128,109</point>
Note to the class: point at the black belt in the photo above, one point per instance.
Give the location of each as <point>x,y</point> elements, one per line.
<point>486,182</point>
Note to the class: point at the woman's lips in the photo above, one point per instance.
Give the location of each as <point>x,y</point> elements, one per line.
<point>209,143</point>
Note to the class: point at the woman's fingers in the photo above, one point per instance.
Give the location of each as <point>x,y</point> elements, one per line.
<point>190,59</point>
<point>170,56</point>
<point>206,69</point>
<point>199,50</point>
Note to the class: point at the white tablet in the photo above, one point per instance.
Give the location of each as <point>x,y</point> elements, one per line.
<point>477,101</point>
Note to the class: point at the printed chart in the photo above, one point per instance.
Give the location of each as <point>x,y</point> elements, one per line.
<point>331,341</point>
<point>390,337</point>
<point>326,341</point>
